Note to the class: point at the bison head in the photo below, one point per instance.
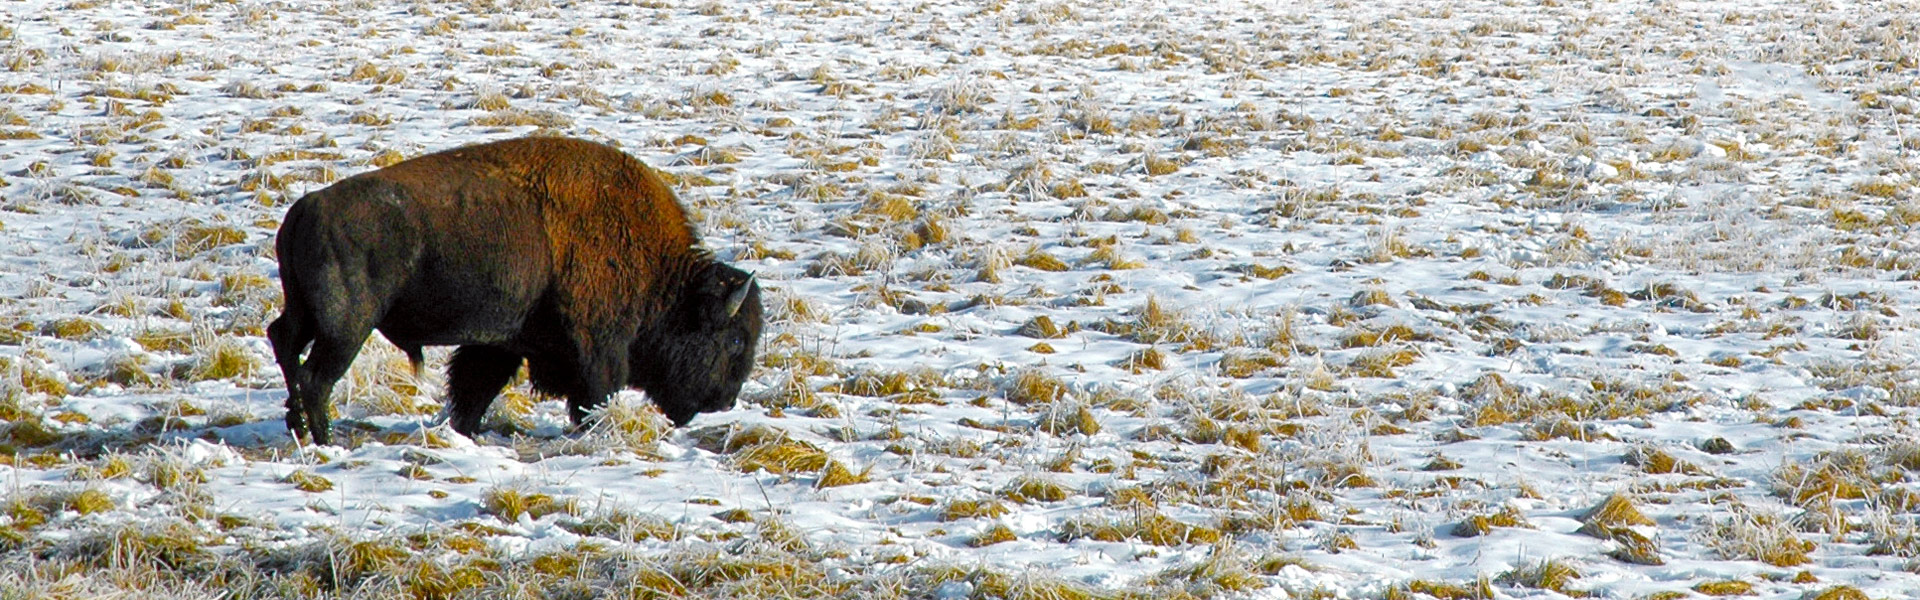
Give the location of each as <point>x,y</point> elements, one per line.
<point>705,351</point>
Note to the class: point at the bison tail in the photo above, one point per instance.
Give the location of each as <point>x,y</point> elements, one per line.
<point>290,335</point>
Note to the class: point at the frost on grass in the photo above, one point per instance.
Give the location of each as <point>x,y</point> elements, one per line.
<point>1264,301</point>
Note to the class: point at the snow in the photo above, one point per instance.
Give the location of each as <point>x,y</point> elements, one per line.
<point>1684,220</point>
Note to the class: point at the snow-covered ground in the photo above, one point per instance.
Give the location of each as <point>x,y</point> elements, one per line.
<point>1068,299</point>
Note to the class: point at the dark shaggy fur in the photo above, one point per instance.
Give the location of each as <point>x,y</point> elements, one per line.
<point>566,254</point>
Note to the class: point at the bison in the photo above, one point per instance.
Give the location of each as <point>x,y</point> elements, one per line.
<point>565,254</point>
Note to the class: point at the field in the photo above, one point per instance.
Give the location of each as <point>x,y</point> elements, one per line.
<point>1068,300</point>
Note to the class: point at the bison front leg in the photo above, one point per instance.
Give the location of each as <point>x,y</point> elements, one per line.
<point>475,376</point>
<point>603,371</point>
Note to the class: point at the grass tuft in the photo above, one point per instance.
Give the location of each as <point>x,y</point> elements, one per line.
<point>624,526</point>
<point>1838,592</point>
<point>1034,386</point>
<point>956,510</point>
<point>1656,461</point>
<point>1724,587</point>
<point>1481,589</point>
<point>762,448</point>
<point>77,329</point>
<point>510,503</point>
<point>1615,512</point>
<point>216,357</point>
<point>1224,569</point>
<point>1749,535</point>
<point>306,481</point>
<point>995,534</point>
<point>1553,575</point>
<point>836,474</point>
<point>1478,525</point>
<point>1146,527</point>
<point>1069,418</point>
<point>1838,475</point>
<point>1029,489</point>
<point>624,423</point>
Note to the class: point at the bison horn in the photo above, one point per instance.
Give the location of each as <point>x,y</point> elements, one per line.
<point>739,296</point>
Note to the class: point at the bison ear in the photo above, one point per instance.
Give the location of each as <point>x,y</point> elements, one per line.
<point>739,295</point>
<point>727,289</point>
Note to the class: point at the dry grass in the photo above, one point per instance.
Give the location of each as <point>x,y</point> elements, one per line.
<point>1552,575</point>
<point>306,481</point>
<point>1149,528</point>
<point>1028,489</point>
<point>1482,524</point>
<point>970,509</point>
<point>1656,461</point>
<point>218,357</point>
<point>836,474</point>
<point>1266,313</point>
<point>1724,587</point>
<point>618,525</point>
<point>1831,476</point>
<point>764,449</point>
<point>511,503</point>
<point>1745,534</point>
<point>1034,386</point>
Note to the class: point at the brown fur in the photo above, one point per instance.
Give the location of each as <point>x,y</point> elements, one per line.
<point>579,186</point>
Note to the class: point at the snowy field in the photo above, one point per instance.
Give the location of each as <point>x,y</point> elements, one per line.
<point>1068,300</point>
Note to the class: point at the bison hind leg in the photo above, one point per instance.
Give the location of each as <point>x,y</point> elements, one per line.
<point>475,376</point>
<point>324,366</point>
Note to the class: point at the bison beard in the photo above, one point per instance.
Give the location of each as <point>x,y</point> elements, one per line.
<point>564,254</point>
